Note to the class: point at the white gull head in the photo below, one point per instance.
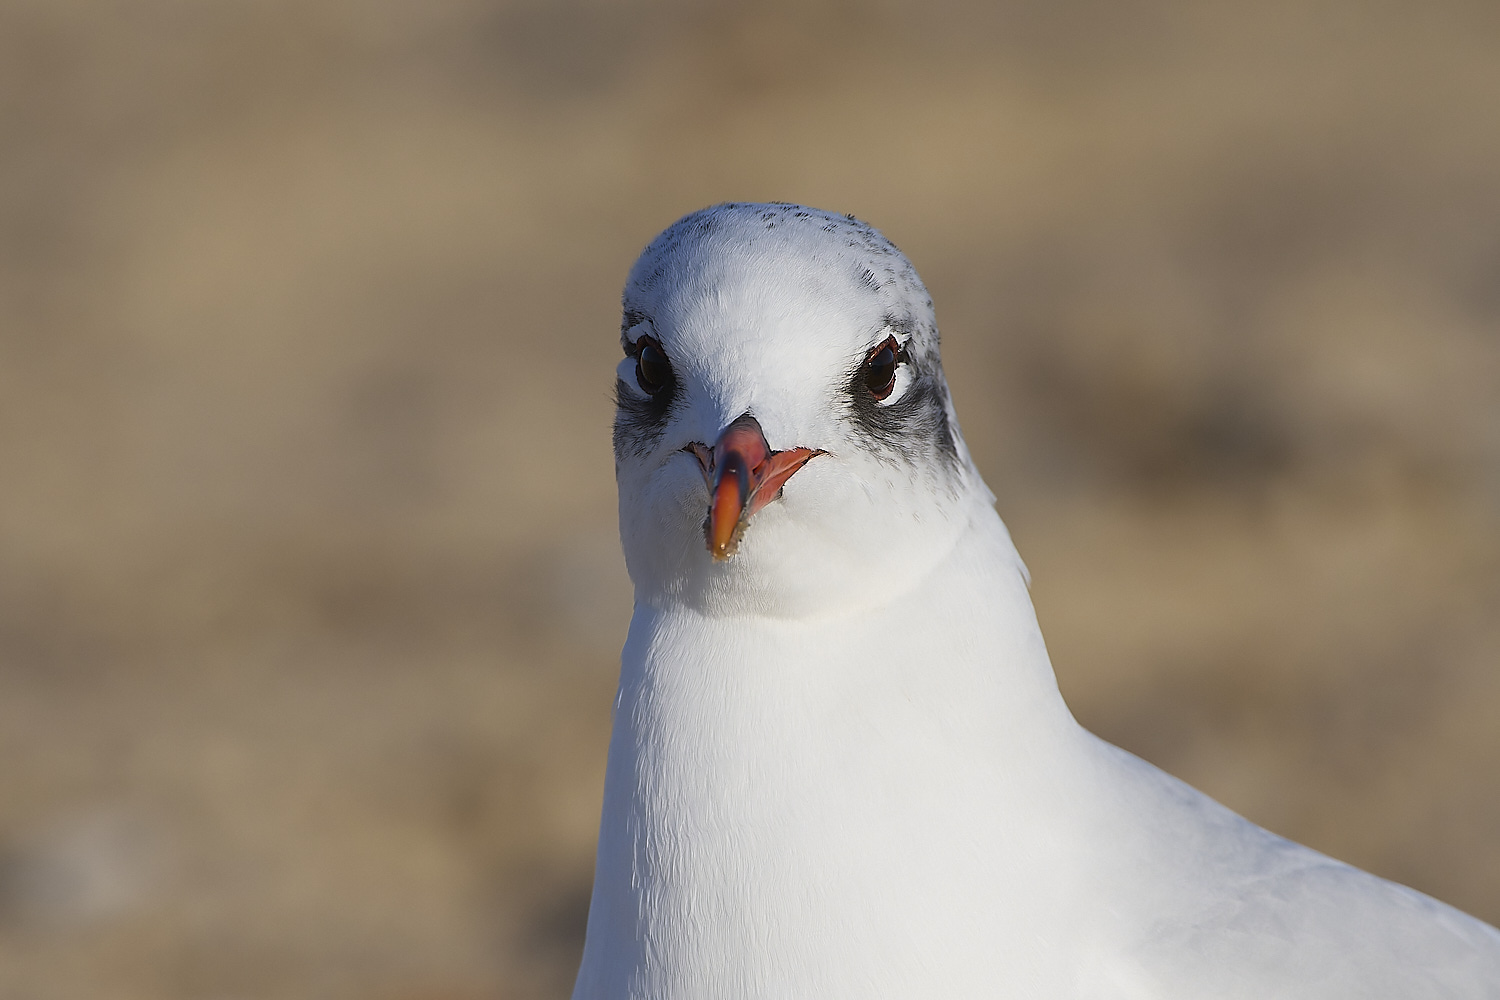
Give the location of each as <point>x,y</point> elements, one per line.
<point>840,765</point>
<point>816,329</point>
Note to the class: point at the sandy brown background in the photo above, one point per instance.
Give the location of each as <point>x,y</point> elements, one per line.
<point>310,597</point>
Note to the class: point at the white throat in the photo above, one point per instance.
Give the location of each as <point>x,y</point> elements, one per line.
<point>831,787</point>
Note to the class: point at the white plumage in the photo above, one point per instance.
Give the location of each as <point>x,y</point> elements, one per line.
<point>840,764</point>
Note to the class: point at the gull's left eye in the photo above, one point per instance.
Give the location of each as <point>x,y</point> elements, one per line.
<point>652,369</point>
<point>880,368</point>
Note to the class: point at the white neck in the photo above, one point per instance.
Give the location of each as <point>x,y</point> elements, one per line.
<point>790,800</point>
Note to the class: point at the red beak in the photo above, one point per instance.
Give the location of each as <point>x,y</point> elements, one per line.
<point>743,475</point>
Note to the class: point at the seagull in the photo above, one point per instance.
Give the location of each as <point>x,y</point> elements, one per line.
<point>840,766</point>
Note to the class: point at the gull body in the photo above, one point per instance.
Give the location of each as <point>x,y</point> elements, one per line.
<point>840,764</point>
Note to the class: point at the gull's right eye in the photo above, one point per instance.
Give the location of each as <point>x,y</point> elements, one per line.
<point>653,372</point>
<point>880,368</point>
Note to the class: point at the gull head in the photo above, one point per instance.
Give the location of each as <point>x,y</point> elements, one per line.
<point>784,441</point>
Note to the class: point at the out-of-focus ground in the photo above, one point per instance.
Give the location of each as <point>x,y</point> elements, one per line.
<point>309,592</point>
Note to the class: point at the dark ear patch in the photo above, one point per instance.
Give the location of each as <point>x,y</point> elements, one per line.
<point>640,419</point>
<point>913,429</point>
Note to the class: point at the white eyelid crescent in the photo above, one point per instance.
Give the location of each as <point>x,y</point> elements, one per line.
<point>625,372</point>
<point>899,387</point>
<point>903,370</point>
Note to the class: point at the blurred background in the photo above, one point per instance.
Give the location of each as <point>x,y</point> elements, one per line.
<point>310,592</point>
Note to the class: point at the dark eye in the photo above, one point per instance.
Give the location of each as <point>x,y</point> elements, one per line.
<point>880,368</point>
<point>652,369</point>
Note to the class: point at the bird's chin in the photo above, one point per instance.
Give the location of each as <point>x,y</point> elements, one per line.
<point>806,554</point>
<point>772,575</point>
